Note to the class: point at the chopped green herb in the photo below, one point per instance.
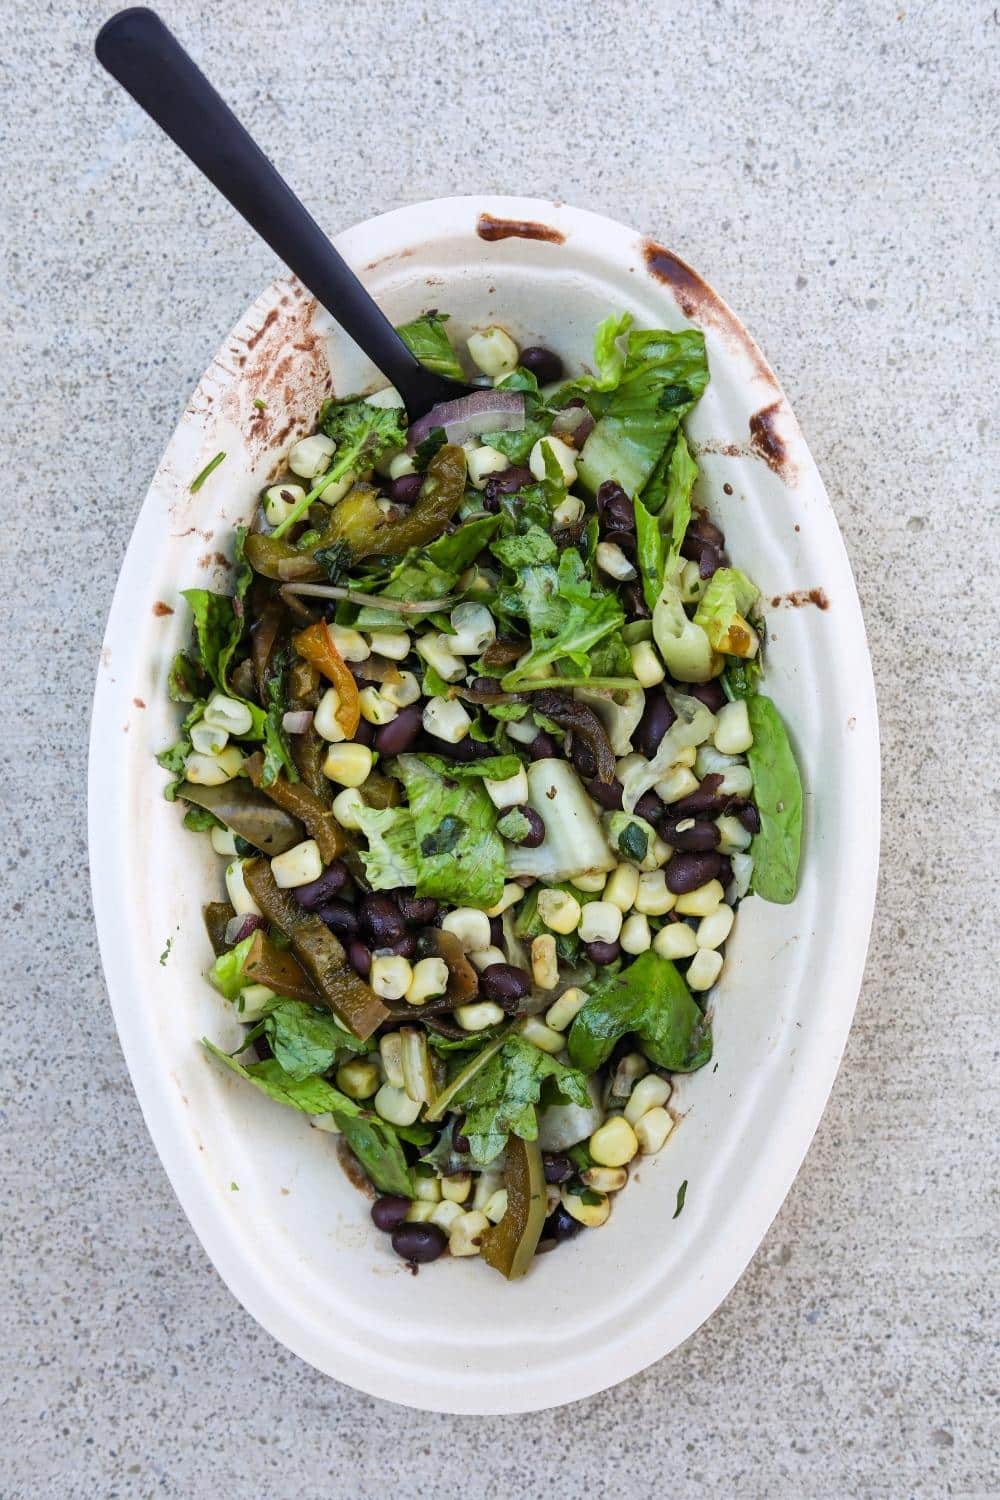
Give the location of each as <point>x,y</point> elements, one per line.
<point>681,1195</point>
<point>209,468</point>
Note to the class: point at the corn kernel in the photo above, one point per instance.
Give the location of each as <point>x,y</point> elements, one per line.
<point>649,1093</point>
<point>311,456</point>
<point>510,793</point>
<point>390,976</point>
<point>446,719</point>
<point>421,1213</point>
<point>566,1009</point>
<point>222,712</point>
<point>704,969</point>
<point>647,667</point>
<point>392,644</point>
<point>396,1106</point>
<point>348,764</point>
<point>325,721</point>
<point>713,930</point>
<point>479,1015</point>
<point>445,1214</point>
<point>733,735</point>
<point>426,1189</point>
<point>590,883</point>
<point>688,756</point>
<point>512,894</point>
<point>484,958</point>
<point>457,1187</point>
<point>345,808</point>
<point>541,1036</point>
<point>630,1069</point>
<point>733,837</point>
<point>222,840</point>
<point>474,629</point>
<point>593,1215</point>
<point>675,940</point>
<point>466,1234</point>
<point>652,1130</point>
<point>240,898</point>
<point>429,979</point>
<point>487,1184</point>
<point>401,465</point>
<point>613,1143</point>
<point>375,708</point>
<point>402,693</point>
<point>635,934</point>
<point>568,512</point>
<point>679,782</point>
<point>437,653</point>
<point>493,351</point>
<point>699,902</point>
<point>600,922</point>
<point>564,455</point>
<point>652,898</point>
<point>496,1206</point>
<point>471,927</point>
<point>559,911</point>
<point>605,1179</point>
<point>350,643</point>
<point>214,769</point>
<point>280,500</point>
<point>610,558</point>
<point>482,462</point>
<point>622,887</point>
<point>358,1079</point>
<point>544,965</point>
<point>299,865</point>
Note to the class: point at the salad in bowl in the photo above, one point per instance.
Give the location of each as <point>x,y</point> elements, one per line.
<point>479,737</point>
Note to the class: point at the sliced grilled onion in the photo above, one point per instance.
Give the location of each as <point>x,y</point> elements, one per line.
<point>240,927</point>
<point>471,416</point>
<point>297,720</point>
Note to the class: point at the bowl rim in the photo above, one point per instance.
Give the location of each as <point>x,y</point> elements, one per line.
<point>799,1111</point>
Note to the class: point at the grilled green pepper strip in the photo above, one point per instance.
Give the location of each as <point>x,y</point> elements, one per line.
<point>358,526</point>
<point>275,967</point>
<point>321,955</point>
<point>248,812</point>
<point>308,751</point>
<point>509,1247</point>
<point>305,805</point>
<point>218,915</point>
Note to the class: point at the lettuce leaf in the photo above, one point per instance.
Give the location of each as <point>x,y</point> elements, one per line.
<point>391,857</point>
<point>566,616</point>
<point>427,339</point>
<point>664,375</point>
<point>724,605</point>
<point>306,1041</point>
<point>500,1098</point>
<point>430,572</point>
<point>459,854</point>
<point>226,974</point>
<point>664,507</point>
<point>650,999</point>
<point>374,1142</point>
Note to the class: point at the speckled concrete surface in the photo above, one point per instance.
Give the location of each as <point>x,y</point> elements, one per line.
<point>833,171</point>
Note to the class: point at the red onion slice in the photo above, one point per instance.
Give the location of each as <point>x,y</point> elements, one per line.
<point>471,416</point>
<point>297,720</point>
<point>238,928</point>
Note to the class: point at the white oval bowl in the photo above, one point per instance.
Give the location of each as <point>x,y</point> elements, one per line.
<point>265,1193</point>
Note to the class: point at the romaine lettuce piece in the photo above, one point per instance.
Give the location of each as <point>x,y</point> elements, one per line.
<point>391,857</point>
<point>722,610</point>
<point>459,854</point>
<point>650,999</point>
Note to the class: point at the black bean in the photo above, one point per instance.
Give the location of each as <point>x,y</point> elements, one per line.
<point>535,834</point>
<point>381,920</point>
<point>460,1143</point>
<point>365,733</point>
<point>557,1168</point>
<point>544,364</point>
<point>701,527</point>
<point>406,489</point>
<point>504,984</point>
<point>398,736</point>
<point>710,561</point>
<point>617,514</point>
<point>389,1211</point>
<point>416,911</point>
<point>603,953</point>
<point>725,874</point>
<point>634,601</point>
<point>686,872</point>
<point>697,839</point>
<point>340,918</point>
<point>560,1225</point>
<point>706,801</point>
<point>318,892</point>
<point>360,957</point>
<point>496,931</point>
<point>650,807</point>
<point>507,483</point>
<point>749,817</point>
<point>542,747</point>
<point>262,1047</point>
<point>466,750</point>
<point>626,542</point>
<point>657,718</point>
<point>607,793</point>
<point>710,693</point>
<point>607,493</point>
<point>406,946</point>
<point>486,685</point>
<point>418,1242</point>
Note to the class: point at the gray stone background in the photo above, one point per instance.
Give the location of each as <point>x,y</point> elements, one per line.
<point>832,169</point>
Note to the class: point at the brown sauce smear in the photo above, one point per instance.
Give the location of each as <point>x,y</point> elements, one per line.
<point>492,229</point>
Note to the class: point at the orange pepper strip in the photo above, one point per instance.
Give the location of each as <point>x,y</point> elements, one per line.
<point>317,645</point>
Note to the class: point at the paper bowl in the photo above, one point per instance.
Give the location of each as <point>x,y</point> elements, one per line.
<point>264,1192</point>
